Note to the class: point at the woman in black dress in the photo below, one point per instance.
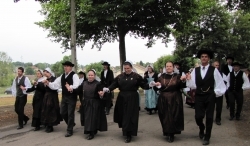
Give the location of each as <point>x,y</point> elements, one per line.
<point>170,104</point>
<point>39,89</point>
<point>93,116</point>
<point>126,112</point>
<point>50,110</point>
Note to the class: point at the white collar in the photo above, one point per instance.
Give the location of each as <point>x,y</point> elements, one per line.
<point>68,73</point>
<point>205,66</point>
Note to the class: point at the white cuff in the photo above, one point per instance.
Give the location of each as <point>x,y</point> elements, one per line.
<point>158,86</point>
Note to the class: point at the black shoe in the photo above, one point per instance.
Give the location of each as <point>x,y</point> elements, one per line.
<point>37,128</point>
<point>171,139</point>
<point>150,112</point>
<point>68,134</point>
<point>139,108</point>
<point>25,121</point>
<point>237,118</point>
<point>206,142</point>
<point>90,137</point>
<point>201,134</point>
<point>49,129</point>
<point>128,139</point>
<point>231,118</point>
<point>19,127</point>
<point>218,122</point>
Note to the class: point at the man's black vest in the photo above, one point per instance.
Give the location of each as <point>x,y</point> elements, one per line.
<point>205,85</point>
<point>236,82</point>
<point>69,80</point>
<point>19,91</point>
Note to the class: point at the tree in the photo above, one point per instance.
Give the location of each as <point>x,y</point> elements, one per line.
<point>7,70</point>
<point>29,71</point>
<point>209,29</point>
<point>97,66</point>
<point>160,63</point>
<point>111,20</point>
<point>57,68</point>
<point>42,65</point>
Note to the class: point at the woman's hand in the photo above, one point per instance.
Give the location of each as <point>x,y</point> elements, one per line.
<point>101,93</point>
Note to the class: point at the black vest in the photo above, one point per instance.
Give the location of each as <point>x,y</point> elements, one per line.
<point>69,80</point>
<point>19,91</point>
<point>236,82</point>
<point>205,85</point>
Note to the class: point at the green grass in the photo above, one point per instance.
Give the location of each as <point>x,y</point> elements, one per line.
<point>2,89</point>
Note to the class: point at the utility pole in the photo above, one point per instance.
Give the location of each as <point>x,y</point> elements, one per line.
<point>73,33</point>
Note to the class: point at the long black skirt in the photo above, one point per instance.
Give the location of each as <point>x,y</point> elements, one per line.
<point>93,116</point>
<point>170,111</point>
<point>126,112</point>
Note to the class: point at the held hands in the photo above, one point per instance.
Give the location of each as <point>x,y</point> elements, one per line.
<point>22,87</point>
<point>46,82</point>
<point>157,84</point>
<point>188,76</point>
<point>68,87</point>
<point>106,89</point>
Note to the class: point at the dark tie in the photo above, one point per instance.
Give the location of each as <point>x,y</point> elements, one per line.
<point>203,68</point>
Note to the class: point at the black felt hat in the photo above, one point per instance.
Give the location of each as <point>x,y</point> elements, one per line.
<point>106,63</point>
<point>236,64</point>
<point>177,63</point>
<point>208,52</point>
<point>229,57</point>
<point>81,73</point>
<point>68,63</point>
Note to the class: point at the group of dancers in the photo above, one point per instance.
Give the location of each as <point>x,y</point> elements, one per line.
<point>163,94</point>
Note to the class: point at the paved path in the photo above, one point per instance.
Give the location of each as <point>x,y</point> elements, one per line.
<point>150,134</point>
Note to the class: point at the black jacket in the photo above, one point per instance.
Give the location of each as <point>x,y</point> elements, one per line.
<point>109,78</point>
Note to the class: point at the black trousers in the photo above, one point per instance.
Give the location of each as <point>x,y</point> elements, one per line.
<point>219,104</point>
<point>19,109</point>
<point>235,96</point>
<point>204,106</point>
<point>227,98</point>
<point>107,101</point>
<point>68,105</point>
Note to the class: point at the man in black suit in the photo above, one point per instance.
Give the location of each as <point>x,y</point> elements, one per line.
<point>107,78</point>
<point>227,68</point>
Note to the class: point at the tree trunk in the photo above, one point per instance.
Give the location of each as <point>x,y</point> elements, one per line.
<point>122,49</point>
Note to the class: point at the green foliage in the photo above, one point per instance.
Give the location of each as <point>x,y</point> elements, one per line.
<point>160,63</point>
<point>57,68</point>
<point>97,66</point>
<point>42,65</point>
<point>29,71</point>
<point>7,68</point>
<point>216,29</point>
<point>112,20</point>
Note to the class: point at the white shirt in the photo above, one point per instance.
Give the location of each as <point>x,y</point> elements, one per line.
<point>246,84</point>
<point>219,87</point>
<point>159,75</point>
<point>57,83</point>
<point>230,68</point>
<point>105,73</point>
<point>26,83</point>
<point>81,80</point>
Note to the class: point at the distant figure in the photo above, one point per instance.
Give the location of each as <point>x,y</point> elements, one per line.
<point>160,72</point>
<point>19,87</point>
<point>227,68</point>
<point>107,77</point>
<point>151,94</point>
<point>82,78</point>
<point>37,101</point>
<point>219,100</point>
<point>237,82</point>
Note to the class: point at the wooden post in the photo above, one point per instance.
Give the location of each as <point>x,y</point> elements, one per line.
<point>73,33</point>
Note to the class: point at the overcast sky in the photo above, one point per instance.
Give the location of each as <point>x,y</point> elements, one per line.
<point>24,41</point>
